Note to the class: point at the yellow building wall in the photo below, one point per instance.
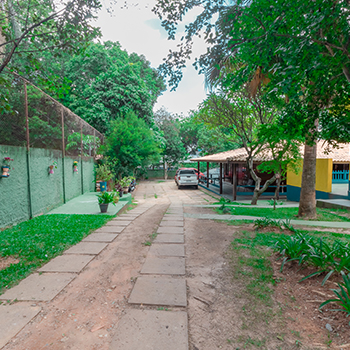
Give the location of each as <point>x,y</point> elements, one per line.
<point>324,169</point>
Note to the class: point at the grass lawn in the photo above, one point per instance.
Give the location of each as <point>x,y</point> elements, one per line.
<point>37,241</point>
<point>323,214</point>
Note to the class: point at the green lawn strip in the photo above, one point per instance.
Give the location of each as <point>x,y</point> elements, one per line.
<point>37,241</point>
<point>323,214</point>
<point>252,273</point>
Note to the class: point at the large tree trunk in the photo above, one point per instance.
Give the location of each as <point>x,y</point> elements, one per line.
<point>307,204</point>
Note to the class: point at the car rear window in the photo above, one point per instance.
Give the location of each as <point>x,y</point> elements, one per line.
<point>187,172</point>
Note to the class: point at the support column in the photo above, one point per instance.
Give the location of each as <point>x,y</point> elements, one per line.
<point>63,157</point>
<point>207,174</point>
<point>81,158</point>
<point>234,181</point>
<point>220,178</point>
<point>198,167</point>
<point>28,149</point>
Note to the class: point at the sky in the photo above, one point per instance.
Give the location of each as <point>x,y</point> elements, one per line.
<point>138,30</point>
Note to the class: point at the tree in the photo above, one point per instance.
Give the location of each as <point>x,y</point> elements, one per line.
<point>246,115</point>
<point>130,145</point>
<point>106,82</point>
<point>199,137</point>
<point>33,26</point>
<point>173,150</point>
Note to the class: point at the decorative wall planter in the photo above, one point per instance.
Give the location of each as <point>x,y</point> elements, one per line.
<point>52,167</point>
<point>6,168</point>
<point>5,171</point>
<point>75,166</point>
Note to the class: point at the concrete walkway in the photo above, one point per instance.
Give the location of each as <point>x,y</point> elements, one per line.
<point>87,204</point>
<point>161,283</point>
<point>332,224</point>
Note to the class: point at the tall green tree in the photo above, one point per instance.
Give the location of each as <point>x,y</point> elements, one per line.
<point>201,138</point>
<point>173,150</point>
<point>130,144</point>
<point>107,82</point>
<point>246,116</point>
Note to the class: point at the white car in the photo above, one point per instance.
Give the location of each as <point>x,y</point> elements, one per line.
<point>186,177</point>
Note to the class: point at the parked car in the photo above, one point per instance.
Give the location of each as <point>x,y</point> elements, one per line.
<point>186,177</point>
<point>199,175</point>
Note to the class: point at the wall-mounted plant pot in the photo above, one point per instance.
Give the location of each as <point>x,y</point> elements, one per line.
<point>75,168</point>
<point>103,207</point>
<point>5,171</point>
<point>103,186</point>
<point>51,171</point>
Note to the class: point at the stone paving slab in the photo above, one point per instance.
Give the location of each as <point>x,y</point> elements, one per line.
<point>169,238</point>
<point>172,223</point>
<point>151,330</point>
<point>167,250</point>
<point>93,248</point>
<point>101,237</point>
<point>37,287</point>
<point>67,263</point>
<point>157,265</point>
<point>165,291</point>
<point>128,216</point>
<point>171,229</point>
<point>173,218</point>
<point>178,213</point>
<point>110,229</point>
<point>116,222</point>
<point>13,318</point>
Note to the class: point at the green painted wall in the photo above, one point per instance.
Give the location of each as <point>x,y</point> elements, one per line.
<point>14,203</point>
<point>159,174</point>
<point>46,189</point>
<point>73,180</point>
<point>88,174</point>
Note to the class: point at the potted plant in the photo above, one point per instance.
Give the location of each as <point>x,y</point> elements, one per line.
<point>6,168</point>
<point>52,166</point>
<point>104,198</point>
<point>124,183</point>
<point>119,189</point>
<point>103,174</point>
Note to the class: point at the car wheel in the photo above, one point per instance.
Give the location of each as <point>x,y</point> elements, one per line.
<point>196,187</point>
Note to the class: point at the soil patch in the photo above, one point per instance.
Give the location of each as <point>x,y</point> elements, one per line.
<point>7,261</point>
